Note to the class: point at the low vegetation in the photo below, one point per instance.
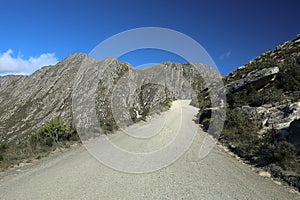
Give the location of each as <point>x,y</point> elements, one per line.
<point>52,135</point>
<point>241,134</point>
<point>276,149</point>
<point>285,86</point>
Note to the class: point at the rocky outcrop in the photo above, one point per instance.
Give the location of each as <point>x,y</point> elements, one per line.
<point>30,101</point>
<point>122,92</point>
<point>257,79</point>
<point>6,80</point>
<point>277,116</point>
<point>294,133</point>
<point>262,96</point>
<point>136,93</point>
<point>278,56</point>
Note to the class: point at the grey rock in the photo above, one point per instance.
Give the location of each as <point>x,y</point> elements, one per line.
<point>273,116</point>
<point>257,79</point>
<point>9,79</point>
<point>294,133</point>
<point>121,93</point>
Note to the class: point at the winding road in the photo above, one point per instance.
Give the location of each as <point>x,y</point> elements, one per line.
<point>76,174</point>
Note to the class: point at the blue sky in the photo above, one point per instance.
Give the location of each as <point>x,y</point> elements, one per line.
<point>35,32</point>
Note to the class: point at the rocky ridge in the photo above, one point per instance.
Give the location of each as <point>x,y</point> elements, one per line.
<point>263,111</point>
<point>274,74</point>
<point>263,99</point>
<point>29,102</point>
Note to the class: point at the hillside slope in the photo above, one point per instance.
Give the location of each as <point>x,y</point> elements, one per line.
<point>77,175</point>
<point>263,111</point>
<point>120,94</point>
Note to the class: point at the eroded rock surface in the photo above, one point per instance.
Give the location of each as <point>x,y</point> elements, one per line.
<point>121,93</point>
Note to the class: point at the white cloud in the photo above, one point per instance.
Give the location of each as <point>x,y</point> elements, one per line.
<point>225,55</point>
<point>18,65</point>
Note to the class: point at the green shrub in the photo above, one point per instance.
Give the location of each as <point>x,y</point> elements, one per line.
<point>54,132</point>
<point>74,137</point>
<point>288,79</point>
<point>284,152</point>
<point>240,133</point>
<point>275,149</point>
<point>251,97</point>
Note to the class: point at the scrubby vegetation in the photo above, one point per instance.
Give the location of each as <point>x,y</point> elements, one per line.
<point>240,133</point>
<point>150,101</point>
<point>108,127</point>
<point>285,86</point>
<point>52,135</point>
<point>275,149</point>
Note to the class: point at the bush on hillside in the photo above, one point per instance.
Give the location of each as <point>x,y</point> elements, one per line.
<point>275,149</point>
<point>251,97</point>
<point>53,132</point>
<point>288,79</point>
<point>240,133</point>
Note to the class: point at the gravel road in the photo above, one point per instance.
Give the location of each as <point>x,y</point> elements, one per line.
<point>76,174</point>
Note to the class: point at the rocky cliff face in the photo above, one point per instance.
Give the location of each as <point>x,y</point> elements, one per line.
<point>6,80</point>
<point>263,111</point>
<point>267,89</point>
<point>255,79</point>
<point>123,94</point>
<point>27,102</point>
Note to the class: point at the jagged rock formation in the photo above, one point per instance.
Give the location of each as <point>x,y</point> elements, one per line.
<point>136,92</point>
<point>30,101</point>
<point>270,87</point>
<point>272,58</point>
<point>6,80</point>
<point>263,99</point>
<point>263,111</point>
<point>277,116</point>
<point>121,93</point>
<point>256,79</point>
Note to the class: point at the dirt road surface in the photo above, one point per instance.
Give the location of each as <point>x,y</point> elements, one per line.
<point>76,174</point>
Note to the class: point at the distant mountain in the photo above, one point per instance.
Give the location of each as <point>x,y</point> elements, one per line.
<point>29,102</point>
<point>263,102</point>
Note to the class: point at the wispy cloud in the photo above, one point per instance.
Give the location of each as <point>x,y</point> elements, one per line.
<point>17,65</point>
<point>225,55</point>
